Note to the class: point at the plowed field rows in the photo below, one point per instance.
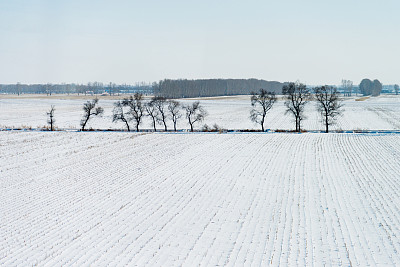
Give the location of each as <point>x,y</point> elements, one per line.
<point>74,198</point>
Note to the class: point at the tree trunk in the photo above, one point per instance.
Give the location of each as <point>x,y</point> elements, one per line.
<point>154,125</point>
<point>262,124</point>
<point>191,124</point>
<point>298,125</point>
<point>326,124</point>
<point>84,124</point>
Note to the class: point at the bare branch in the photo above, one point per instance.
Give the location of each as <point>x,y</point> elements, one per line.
<point>174,108</point>
<point>329,104</point>
<point>261,103</point>
<point>120,115</point>
<point>297,96</point>
<point>195,113</point>
<point>90,109</point>
<point>152,111</point>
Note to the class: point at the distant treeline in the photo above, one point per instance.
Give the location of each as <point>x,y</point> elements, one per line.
<point>72,88</point>
<point>213,87</point>
<point>184,88</point>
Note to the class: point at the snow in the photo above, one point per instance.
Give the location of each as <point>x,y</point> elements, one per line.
<point>377,113</point>
<point>170,199</point>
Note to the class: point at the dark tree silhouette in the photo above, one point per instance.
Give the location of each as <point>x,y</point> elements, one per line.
<point>160,104</point>
<point>328,103</point>
<point>152,111</point>
<point>137,108</point>
<point>396,89</point>
<point>120,115</point>
<point>261,103</point>
<point>195,113</point>
<point>174,108</point>
<point>297,96</point>
<point>90,109</point>
<point>51,120</point>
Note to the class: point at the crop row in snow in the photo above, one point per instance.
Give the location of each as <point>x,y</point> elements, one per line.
<point>75,198</point>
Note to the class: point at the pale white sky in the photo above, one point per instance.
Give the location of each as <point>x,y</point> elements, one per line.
<point>314,41</point>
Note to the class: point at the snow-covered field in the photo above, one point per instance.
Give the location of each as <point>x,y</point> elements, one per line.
<point>170,199</point>
<point>378,113</point>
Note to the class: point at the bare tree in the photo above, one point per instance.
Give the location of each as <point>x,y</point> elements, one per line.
<point>90,109</point>
<point>265,100</point>
<point>195,113</point>
<point>347,86</point>
<point>174,108</point>
<point>119,114</point>
<point>160,103</point>
<point>137,108</point>
<point>51,120</point>
<point>297,96</point>
<point>396,89</point>
<point>152,111</point>
<point>329,104</point>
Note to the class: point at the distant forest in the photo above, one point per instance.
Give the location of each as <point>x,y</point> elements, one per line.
<point>213,87</point>
<point>166,88</point>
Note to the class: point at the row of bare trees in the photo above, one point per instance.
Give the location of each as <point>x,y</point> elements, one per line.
<point>160,110</point>
<point>134,109</point>
<point>296,96</point>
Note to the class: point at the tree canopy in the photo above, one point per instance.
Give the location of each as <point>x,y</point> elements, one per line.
<point>368,87</point>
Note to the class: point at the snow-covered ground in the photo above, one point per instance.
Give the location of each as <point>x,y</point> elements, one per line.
<point>170,199</point>
<point>378,113</point>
